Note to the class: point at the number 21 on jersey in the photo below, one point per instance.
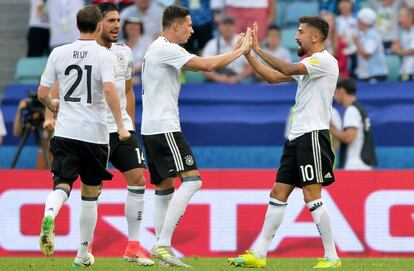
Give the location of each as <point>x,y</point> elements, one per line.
<point>68,96</point>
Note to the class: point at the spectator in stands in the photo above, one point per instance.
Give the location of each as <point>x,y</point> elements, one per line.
<point>133,30</point>
<point>121,3</point>
<point>38,35</point>
<point>62,20</point>
<point>404,46</point>
<point>333,5</point>
<point>346,28</point>
<point>149,12</point>
<point>29,116</point>
<point>272,45</point>
<point>370,50</point>
<point>202,18</point>
<point>357,151</point>
<point>238,70</point>
<point>387,20</point>
<point>330,42</point>
<point>245,12</point>
<point>3,131</point>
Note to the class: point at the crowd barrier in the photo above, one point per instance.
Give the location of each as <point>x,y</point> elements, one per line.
<point>255,115</point>
<point>372,215</point>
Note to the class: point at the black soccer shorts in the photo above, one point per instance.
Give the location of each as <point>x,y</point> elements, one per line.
<point>126,155</point>
<point>168,154</point>
<point>306,160</point>
<point>73,158</point>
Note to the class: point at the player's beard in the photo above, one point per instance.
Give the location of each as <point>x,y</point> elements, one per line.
<point>300,51</point>
<point>108,38</point>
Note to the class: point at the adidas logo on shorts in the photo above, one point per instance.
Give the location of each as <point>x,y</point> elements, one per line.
<point>328,175</point>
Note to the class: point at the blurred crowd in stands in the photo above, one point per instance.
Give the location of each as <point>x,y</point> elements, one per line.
<point>362,33</point>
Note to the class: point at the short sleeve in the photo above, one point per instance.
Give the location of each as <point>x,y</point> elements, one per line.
<point>317,65</point>
<point>108,61</point>
<point>174,55</point>
<point>49,75</point>
<point>352,118</point>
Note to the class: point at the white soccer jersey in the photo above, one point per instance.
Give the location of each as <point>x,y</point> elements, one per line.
<point>124,71</point>
<point>81,68</point>
<point>161,86</point>
<point>314,94</point>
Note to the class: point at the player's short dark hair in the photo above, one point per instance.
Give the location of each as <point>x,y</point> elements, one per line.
<point>88,18</point>
<point>106,7</point>
<point>172,13</point>
<point>348,84</point>
<point>317,22</point>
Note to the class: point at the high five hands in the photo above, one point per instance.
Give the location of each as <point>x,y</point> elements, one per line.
<point>247,41</point>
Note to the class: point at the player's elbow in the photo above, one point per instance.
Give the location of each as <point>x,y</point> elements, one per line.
<point>42,93</point>
<point>208,67</point>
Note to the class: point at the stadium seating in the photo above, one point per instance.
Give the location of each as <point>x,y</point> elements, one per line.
<point>295,9</point>
<point>194,77</point>
<point>393,63</point>
<point>29,69</point>
<point>288,38</point>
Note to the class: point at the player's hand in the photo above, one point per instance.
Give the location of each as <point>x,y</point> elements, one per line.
<point>255,40</point>
<point>124,134</point>
<point>239,41</point>
<point>49,125</point>
<point>55,105</point>
<point>247,42</point>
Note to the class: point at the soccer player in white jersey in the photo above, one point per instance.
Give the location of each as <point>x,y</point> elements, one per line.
<point>85,72</point>
<point>126,156</point>
<point>168,153</point>
<point>307,158</point>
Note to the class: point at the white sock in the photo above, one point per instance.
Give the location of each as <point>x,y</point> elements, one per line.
<point>323,223</point>
<point>176,209</point>
<point>161,202</point>
<point>54,202</point>
<point>134,209</point>
<point>273,219</point>
<point>87,222</point>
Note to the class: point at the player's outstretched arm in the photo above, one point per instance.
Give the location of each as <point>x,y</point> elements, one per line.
<point>209,64</point>
<point>270,75</point>
<point>282,66</point>
<point>112,99</point>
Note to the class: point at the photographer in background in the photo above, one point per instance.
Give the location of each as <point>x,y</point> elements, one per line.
<point>29,118</point>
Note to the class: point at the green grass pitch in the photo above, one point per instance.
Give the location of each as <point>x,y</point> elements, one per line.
<point>205,264</point>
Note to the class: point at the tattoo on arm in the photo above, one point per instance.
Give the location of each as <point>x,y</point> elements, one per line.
<point>278,64</point>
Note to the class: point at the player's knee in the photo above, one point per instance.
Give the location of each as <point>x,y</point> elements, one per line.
<point>195,181</point>
<point>278,194</point>
<point>90,191</point>
<point>64,186</point>
<point>135,177</point>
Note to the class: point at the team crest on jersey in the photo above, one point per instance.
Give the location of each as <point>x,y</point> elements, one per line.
<point>313,60</point>
<point>189,160</point>
<point>120,58</point>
